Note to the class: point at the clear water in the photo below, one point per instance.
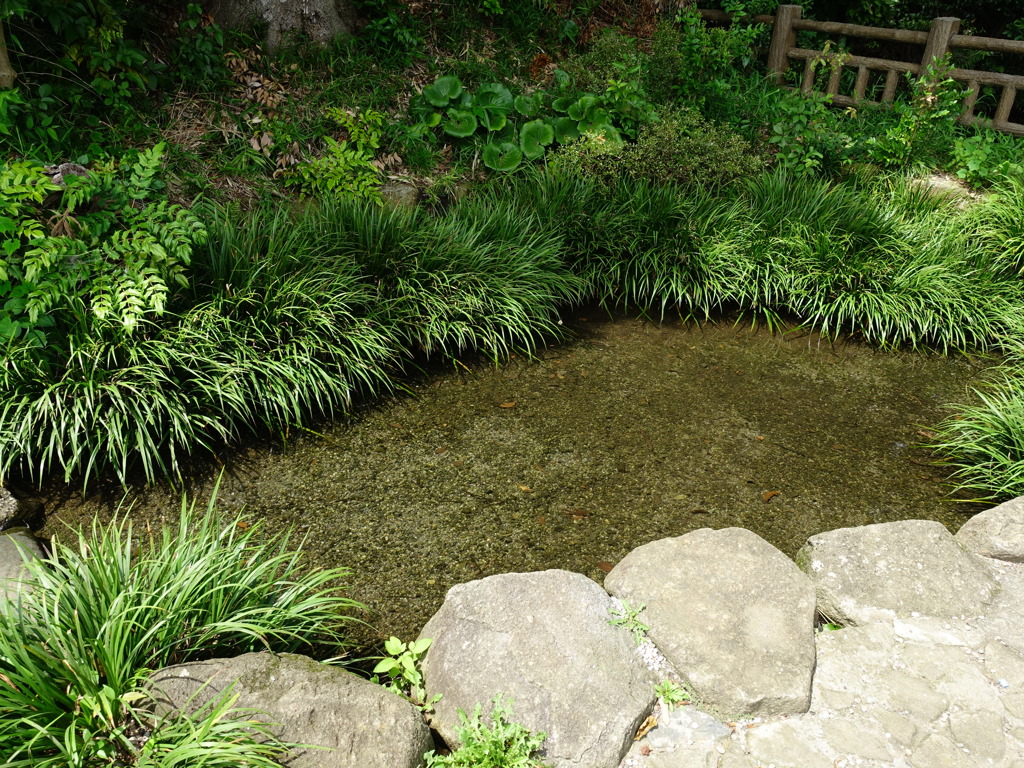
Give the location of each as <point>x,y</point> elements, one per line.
<point>633,432</point>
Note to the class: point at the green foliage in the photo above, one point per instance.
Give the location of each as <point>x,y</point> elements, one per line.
<point>799,130</point>
<point>987,157</point>
<point>984,440</point>
<point>680,148</point>
<point>392,33</point>
<point>288,318</point>
<point>921,127</point>
<point>697,64</point>
<point>512,128</point>
<point>104,610</point>
<point>104,244</point>
<point>997,223</point>
<point>502,744</point>
<point>402,667</point>
<point>672,694</point>
<point>84,60</point>
<point>199,49</point>
<point>608,53</point>
<point>346,168</point>
<point>629,618</point>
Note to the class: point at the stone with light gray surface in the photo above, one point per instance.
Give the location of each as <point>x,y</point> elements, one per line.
<point>349,721</point>
<point>997,532</point>
<point>17,545</point>
<point>544,641</point>
<point>733,615</point>
<point>899,569</point>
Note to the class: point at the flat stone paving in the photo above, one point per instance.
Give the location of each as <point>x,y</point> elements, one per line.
<point>916,692</point>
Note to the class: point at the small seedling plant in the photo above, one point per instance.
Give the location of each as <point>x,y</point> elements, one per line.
<point>503,744</point>
<point>629,617</point>
<point>672,694</point>
<point>402,668</point>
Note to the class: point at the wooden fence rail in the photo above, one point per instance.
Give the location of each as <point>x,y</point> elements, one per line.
<point>940,39</point>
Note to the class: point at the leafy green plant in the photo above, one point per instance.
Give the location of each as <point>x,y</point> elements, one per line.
<point>629,618</point>
<point>987,157</point>
<point>199,49</point>
<point>609,53</point>
<point>680,148</point>
<point>927,120</point>
<point>695,64</point>
<point>524,126</point>
<point>402,667</point>
<point>391,31</point>
<point>798,130</point>
<point>502,744</point>
<point>109,246</point>
<point>346,167</point>
<point>626,102</point>
<point>672,694</point>
<point>103,610</point>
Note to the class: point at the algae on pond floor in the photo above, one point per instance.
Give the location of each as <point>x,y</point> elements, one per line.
<point>635,432</point>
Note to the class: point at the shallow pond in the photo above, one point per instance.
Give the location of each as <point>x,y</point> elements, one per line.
<point>633,432</point>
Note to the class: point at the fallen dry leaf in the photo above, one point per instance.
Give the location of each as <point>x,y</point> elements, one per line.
<point>770,495</point>
<point>645,727</point>
<point>509,404</point>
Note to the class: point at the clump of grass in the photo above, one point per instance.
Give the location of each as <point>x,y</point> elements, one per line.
<point>482,277</point>
<point>984,440</point>
<point>295,314</point>
<point>101,612</point>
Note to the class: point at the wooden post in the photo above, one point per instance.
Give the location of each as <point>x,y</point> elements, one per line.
<point>861,86</point>
<point>783,39</point>
<point>939,35</point>
<point>7,73</point>
<point>1002,115</point>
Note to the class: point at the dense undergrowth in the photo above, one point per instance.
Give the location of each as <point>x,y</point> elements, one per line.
<point>295,314</point>
<point>193,249</point>
<point>103,610</point>
<point>216,262</point>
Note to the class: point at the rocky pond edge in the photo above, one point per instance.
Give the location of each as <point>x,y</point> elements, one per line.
<point>896,644</point>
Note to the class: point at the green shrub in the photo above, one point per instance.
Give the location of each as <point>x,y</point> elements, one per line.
<point>112,605</point>
<point>997,221</point>
<point>681,148</point>
<point>591,71</point>
<point>346,167</point>
<point>104,244</point>
<point>696,64</point>
<point>684,148</point>
<point>987,157</point>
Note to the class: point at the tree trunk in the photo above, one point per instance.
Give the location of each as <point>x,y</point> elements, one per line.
<point>7,73</point>
<point>321,21</point>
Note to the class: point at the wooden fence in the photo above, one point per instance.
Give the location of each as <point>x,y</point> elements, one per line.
<point>940,39</point>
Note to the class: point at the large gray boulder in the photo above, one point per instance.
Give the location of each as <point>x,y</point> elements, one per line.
<point>997,532</point>
<point>361,724</point>
<point>900,569</point>
<point>17,546</point>
<point>544,641</point>
<point>733,614</point>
